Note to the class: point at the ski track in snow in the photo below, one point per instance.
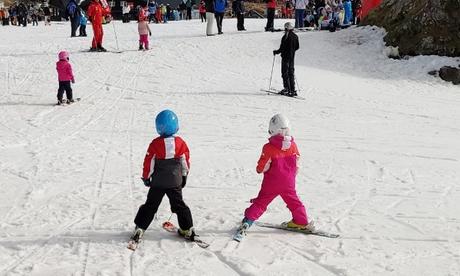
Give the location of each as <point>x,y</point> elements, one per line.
<point>378,138</point>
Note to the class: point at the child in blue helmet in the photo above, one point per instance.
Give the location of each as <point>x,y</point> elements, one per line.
<point>166,166</point>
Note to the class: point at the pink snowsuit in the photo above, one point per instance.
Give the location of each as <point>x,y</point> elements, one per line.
<point>278,162</point>
<point>143,29</point>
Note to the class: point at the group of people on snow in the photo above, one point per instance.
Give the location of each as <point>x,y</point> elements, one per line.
<point>167,164</point>
<point>22,14</point>
<point>317,14</point>
<point>167,161</point>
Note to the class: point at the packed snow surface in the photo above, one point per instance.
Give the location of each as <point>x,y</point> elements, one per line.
<point>379,139</point>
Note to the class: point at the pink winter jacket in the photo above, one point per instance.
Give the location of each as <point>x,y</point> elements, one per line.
<point>278,162</point>
<point>64,70</point>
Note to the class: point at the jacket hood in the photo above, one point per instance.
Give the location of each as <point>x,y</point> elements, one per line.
<point>281,142</point>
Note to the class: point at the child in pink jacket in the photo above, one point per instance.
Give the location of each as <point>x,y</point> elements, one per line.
<point>143,28</point>
<point>65,76</point>
<point>278,163</point>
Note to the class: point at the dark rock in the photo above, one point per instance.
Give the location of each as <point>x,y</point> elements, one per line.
<point>419,27</point>
<point>449,73</point>
<point>433,73</point>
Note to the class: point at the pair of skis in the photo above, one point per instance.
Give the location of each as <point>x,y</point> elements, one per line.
<point>241,232</point>
<point>275,92</point>
<point>69,103</point>
<point>134,242</point>
<point>238,236</point>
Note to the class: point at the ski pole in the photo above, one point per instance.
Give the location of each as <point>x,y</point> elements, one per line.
<point>297,83</point>
<point>271,75</point>
<point>115,32</point>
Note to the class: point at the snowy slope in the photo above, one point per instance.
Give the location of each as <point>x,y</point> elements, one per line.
<point>379,140</point>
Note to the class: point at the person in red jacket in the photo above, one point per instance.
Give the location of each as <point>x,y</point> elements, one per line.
<point>166,166</point>
<point>95,14</point>
<point>202,9</point>
<point>271,7</point>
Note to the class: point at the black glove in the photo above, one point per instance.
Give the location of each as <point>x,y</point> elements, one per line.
<point>146,182</point>
<point>150,33</point>
<point>184,181</point>
<point>275,52</point>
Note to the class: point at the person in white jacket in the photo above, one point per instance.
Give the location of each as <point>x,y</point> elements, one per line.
<point>300,6</point>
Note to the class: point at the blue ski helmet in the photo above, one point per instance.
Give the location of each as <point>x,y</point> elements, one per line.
<point>167,123</point>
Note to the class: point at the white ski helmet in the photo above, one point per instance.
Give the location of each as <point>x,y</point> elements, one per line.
<point>288,26</point>
<point>279,124</point>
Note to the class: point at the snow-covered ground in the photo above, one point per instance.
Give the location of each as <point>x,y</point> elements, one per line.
<point>379,138</point>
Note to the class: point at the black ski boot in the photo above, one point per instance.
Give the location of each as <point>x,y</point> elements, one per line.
<point>101,49</point>
<point>283,92</point>
<point>292,93</point>
<point>188,234</point>
<point>137,234</point>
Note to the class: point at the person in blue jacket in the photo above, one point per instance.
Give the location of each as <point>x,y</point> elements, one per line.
<point>348,12</point>
<point>74,12</point>
<point>83,22</point>
<point>219,11</point>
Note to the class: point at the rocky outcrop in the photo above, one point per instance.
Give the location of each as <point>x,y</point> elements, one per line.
<point>449,73</point>
<point>420,27</point>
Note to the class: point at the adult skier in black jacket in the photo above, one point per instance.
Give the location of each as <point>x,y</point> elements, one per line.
<point>289,44</point>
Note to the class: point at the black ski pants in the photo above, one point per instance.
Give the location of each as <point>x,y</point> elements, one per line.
<point>74,24</point>
<point>270,19</point>
<point>240,21</point>
<point>219,18</point>
<point>83,30</point>
<point>64,86</point>
<point>287,73</point>
<point>148,210</point>
<point>203,16</point>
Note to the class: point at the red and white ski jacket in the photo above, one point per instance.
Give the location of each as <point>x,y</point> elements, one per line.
<point>164,149</point>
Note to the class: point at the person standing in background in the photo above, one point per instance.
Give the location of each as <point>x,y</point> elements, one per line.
<point>239,11</point>
<point>219,11</point>
<point>209,17</point>
<point>271,7</point>
<point>300,6</point>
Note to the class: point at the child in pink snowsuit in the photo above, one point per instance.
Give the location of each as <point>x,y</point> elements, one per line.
<point>65,77</point>
<point>143,29</point>
<point>278,162</point>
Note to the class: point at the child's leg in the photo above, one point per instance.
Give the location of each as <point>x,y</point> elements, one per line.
<point>259,204</point>
<point>68,91</point>
<point>148,210</point>
<point>178,206</point>
<point>299,214</point>
<point>146,42</point>
<point>61,90</point>
<point>141,46</point>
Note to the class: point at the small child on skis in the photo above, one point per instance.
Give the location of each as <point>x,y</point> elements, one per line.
<point>65,77</point>
<point>143,28</point>
<point>83,22</point>
<point>279,164</point>
<point>166,166</point>
<point>289,45</point>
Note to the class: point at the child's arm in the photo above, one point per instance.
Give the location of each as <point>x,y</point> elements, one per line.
<point>148,28</point>
<point>149,163</point>
<point>71,73</point>
<point>264,161</point>
<point>184,155</point>
<point>297,155</point>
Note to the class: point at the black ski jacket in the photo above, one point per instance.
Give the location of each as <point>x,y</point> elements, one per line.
<point>209,5</point>
<point>289,44</point>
